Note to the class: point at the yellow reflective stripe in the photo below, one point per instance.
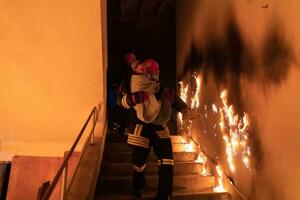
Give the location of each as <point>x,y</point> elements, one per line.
<point>135,143</point>
<point>124,102</point>
<point>139,169</point>
<point>163,134</point>
<point>138,141</point>
<point>138,129</point>
<point>166,162</point>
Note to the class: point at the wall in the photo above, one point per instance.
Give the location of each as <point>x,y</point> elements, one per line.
<point>52,74</point>
<point>250,48</point>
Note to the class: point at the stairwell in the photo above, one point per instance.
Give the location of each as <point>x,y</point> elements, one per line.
<point>114,181</point>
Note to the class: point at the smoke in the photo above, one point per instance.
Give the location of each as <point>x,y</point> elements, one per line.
<point>277,57</point>
<point>231,58</point>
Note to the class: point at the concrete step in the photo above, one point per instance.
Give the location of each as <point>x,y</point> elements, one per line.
<point>195,196</point>
<point>121,169</point>
<point>124,147</point>
<point>187,183</point>
<point>121,157</point>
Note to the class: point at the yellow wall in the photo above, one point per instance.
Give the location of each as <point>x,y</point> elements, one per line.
<point>274,108</point>
<point>52,73</point>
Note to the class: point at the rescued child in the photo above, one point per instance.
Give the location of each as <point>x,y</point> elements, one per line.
<point>145,78</point>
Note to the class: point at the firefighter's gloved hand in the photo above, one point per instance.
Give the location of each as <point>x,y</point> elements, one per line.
<point>170,94</point>
<point>138,97</point>
<point>129,100</point>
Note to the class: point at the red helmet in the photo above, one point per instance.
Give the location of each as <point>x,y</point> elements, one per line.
<point>151,69</point>
<point>129,58</point>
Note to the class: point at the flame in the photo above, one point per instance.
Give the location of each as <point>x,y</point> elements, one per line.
<point>189,147</point>
<point>235,132</point>
<point>201,158</point>
<point>214,108</point>
<point>229,153</point>
<point>220,187</point>
<point>205,170</point>
<point>195,102</point>
<point>182,141</point>
<point>183,91</point>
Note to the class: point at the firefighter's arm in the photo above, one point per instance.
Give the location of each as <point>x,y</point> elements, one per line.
<point>180,106</point>
<point>176,102</point>
<point>129,100</point>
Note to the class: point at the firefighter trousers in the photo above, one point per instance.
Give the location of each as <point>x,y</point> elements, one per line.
<point>142,137</point>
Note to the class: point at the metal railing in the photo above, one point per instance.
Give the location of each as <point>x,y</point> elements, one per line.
<point>45,193</point>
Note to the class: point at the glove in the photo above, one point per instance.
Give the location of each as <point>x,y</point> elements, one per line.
<point>171,95</point>
<point>130,100</point>
<point>138,97</point>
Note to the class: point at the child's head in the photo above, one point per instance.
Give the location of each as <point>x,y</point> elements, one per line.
<point>149,68</point>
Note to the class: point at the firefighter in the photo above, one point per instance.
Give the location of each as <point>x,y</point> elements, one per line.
<point>144,135</point>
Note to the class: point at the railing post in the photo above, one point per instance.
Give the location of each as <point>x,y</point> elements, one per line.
<point>64,183</point>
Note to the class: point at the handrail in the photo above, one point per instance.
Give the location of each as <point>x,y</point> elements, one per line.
<point>64,165</point>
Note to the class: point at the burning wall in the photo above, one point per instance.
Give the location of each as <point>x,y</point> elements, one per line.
<point>249,48</point>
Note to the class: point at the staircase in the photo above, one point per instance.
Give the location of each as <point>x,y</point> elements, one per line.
<point>114,182</point>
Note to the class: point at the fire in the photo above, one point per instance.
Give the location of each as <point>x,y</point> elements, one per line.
<point>182,141</point>
<point>214,108</point>
<point>220,187</point>
<point>189,147</point>
<point>183,91</point>
<point>234,129</point>
<point>201,158</point>
<point>235,132</point>
<point>229,153</point>
<point>195,100</point>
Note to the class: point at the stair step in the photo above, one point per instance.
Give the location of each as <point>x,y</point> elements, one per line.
<point>180,168</point>
<point>194,196</point>
<point>149,193</point>
<point>187,183</point>
<point>124,147</point>
<point>204,196</point>
<point>121,157</point>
